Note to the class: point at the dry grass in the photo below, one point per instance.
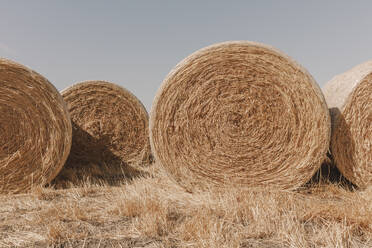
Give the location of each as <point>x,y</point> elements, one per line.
<point>154,212</point>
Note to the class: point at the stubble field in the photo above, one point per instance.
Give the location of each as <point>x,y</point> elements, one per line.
<point>153,211</point>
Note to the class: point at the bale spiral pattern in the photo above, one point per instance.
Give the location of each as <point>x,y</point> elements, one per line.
<point>35,129</point>
<point>349,97</point>
<point>239,113</point>
<point>110,133</point>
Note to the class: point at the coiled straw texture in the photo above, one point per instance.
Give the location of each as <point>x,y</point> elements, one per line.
<point>239,114</point>
<point>35,129</point>
<point>349,97</point>
<point>110,134</point>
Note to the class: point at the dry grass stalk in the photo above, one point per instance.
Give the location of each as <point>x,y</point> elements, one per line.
<point>155,212</point>
<point>239,113</point>
<point>35,129</point>
<point>110,134</point>
<point>349,97</point>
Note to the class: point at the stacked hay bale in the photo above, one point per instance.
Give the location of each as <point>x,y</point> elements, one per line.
<point>35,129</point>
<point>349,97</point>
<point>239,114</point>
<point>110,134</point>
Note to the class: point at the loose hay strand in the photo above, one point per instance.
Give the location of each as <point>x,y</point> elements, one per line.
<point>110,134</point>
<point>349,97</point>
<point>35,129</point>
<point>239,113</point>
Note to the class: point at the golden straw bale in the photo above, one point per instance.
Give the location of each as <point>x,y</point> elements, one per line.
<point>349,97</point>
<point>239,114</point>
<point>110,134</point>
<point>35,129</point>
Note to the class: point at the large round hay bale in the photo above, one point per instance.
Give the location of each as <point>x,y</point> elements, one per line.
<point>35,129</point>
<point>239,113</point>
<point>349,97</point>
<point>110,134</point>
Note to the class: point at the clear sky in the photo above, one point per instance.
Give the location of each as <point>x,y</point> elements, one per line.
<point>136,43</point>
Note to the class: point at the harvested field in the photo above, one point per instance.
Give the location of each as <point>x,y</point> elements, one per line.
<point>153,211</point>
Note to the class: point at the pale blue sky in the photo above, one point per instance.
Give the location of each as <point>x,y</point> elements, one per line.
<point>136,43</point>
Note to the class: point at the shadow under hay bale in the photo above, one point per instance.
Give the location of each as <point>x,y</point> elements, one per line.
<point>330,174</point>
<point>94,163</point>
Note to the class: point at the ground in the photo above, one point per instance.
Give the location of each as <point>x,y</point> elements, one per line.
<point>153,211</point>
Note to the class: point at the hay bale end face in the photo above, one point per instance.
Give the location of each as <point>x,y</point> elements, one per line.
<point>239,114</point>
<point>349,97</point>
<point>110,134</point>
<point>35,129</point>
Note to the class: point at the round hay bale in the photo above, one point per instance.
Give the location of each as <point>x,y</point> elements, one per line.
<point>349,97</point>
<point>110,134</point>
<point>239,113</point>
<point>35,129</point>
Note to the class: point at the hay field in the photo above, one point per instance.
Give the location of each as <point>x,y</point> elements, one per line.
<point>152,211</point>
